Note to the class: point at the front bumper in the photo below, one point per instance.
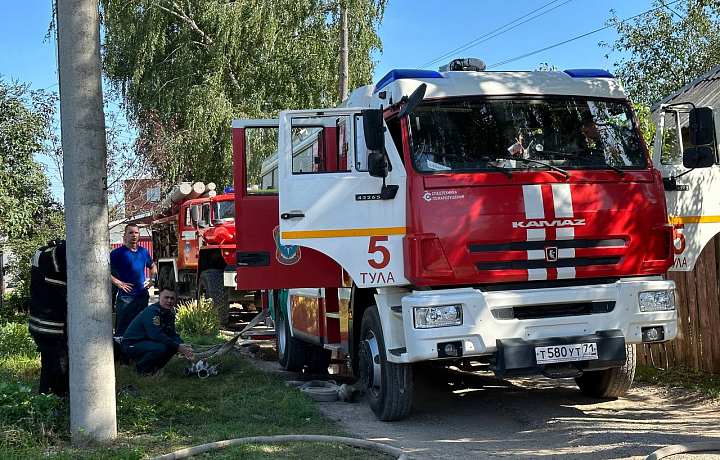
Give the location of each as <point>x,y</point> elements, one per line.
<point>516,357</point>
<point>483,333</point>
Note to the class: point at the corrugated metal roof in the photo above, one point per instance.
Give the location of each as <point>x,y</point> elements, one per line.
<point>702,91</point>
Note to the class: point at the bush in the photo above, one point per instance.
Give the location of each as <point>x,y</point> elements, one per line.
<point>26,416</point>
<point>15,340</point>
<point>197,318</point>
<point>15,307</point>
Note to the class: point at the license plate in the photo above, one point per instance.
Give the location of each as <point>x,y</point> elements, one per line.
<point>566,353</point>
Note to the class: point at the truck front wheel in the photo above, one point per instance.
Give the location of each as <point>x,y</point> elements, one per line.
<point>212,286</point>
<point>389,385</point>
<point>291,351</point>
<point>610,383</point>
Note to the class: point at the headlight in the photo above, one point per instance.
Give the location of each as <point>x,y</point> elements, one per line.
<point>427,317</point>
<point>657,300</point>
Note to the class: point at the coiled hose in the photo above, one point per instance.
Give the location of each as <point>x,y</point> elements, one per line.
<point>361,443</point>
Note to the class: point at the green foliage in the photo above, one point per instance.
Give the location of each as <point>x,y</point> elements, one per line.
<point>28,418</point>
<point>169,411</point>
<point>15,307</point>
<point>545,66</point>
<point>683,377</point>
<point>29,217</point>
<point>16,340</point>
<point>187,69</point>
<point>668,47</point>
<point>197,318</point>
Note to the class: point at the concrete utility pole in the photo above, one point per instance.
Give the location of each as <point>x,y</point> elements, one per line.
<point>92,373</point>
<point>343,53</point>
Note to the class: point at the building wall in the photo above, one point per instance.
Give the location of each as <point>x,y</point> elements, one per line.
<point>141,195</point>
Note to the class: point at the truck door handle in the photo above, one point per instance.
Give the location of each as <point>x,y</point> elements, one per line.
<point>291,215</point>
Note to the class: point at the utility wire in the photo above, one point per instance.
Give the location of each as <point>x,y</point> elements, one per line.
<point>490,35</point>
<point>507,61</point>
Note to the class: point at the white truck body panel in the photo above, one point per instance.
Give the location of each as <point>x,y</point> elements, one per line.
<point>693,209</point>
<point>335,222</point>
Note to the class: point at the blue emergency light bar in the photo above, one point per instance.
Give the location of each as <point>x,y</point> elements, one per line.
<point>589,73</point>
<point>229,190</point>
<point>399,74</point>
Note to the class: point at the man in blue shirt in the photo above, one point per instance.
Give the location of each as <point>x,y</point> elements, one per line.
<point>151,340</point>
<point>127,268</point>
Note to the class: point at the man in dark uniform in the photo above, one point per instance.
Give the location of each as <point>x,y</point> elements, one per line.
<point>151,340</point>
<point>48,312</point>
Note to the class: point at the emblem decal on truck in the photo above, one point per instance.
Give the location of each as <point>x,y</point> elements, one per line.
<point>551,253</point>
<point>285,254</point>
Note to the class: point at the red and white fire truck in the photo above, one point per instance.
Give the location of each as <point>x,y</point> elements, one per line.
<point>511,219</point>
<point>194,242</point>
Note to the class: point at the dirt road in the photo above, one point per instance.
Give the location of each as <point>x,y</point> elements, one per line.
<point>459,415</point>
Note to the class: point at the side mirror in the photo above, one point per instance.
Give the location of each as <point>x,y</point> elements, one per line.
<point>378,164</point>
<point>698,157</point>
<point>374,129</point>
<point>194,214</point>
<point>413,101</point>
<point>702,128</point>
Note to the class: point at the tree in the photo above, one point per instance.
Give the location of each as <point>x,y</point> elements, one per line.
<point>29,216</point>
<point>669,47</point>
<point>187,69</point>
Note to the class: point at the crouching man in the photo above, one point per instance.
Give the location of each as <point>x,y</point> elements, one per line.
<point>151,340</point>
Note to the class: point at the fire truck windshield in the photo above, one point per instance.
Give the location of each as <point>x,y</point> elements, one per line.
<point>224,211</point>
<point>479,134</point>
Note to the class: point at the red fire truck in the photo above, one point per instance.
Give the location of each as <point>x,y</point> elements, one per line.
<point>511,219</point>
<point>194,243</point>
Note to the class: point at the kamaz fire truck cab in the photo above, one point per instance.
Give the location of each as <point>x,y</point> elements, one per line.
<point>508,218</point>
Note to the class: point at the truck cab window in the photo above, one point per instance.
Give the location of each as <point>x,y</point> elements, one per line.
<point>261,146</point>
<point>204,215</point>
<point>479,134</point>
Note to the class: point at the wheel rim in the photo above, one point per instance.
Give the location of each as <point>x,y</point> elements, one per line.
<point>373,364</point>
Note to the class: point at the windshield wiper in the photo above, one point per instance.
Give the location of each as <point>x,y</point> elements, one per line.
<point>575,156</point>
<point>547,165</point>
<point>485,160</point>
<point>496,167</point>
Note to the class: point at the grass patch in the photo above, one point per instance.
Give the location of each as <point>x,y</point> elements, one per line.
<point>172,412</point>
<point>683,377</point>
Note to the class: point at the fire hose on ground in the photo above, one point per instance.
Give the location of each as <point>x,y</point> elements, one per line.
<point>360,443</point>
<point>684,448</point>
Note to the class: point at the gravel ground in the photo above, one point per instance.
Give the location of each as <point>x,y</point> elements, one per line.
<point>459,415</point>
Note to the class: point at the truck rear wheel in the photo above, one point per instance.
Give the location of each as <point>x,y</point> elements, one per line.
<point>610,383</point>
<point>389,385</point>
<point>212,286</point>
<point>291,351</point>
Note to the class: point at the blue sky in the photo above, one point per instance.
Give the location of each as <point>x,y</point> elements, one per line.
<point>414,32</point>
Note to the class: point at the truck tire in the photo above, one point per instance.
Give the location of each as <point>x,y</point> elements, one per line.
<point>610,383</point>
<point>390,392</point>
<point>318,359</point>
<point>291,351</point>
<point>166,278</point>
<point>212,286</point>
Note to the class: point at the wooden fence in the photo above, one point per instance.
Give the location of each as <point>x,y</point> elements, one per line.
<point>697,345</point>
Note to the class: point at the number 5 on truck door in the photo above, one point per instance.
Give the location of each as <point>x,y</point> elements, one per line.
<point>374,248</point>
